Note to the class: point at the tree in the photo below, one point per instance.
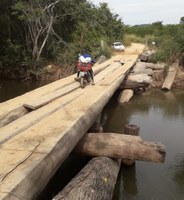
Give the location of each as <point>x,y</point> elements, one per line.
<point>38,17</point>
<point>182,20</point>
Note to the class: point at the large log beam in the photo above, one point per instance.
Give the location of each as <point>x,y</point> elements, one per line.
<point>95,181</point>
<point>121,146</point>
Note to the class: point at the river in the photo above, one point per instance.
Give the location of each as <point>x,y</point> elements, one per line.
<point>161,119</point>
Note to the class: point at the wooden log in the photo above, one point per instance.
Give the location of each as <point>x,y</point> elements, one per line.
<point>128,84</point>
<point>169,78</point>
<point>45,99</point>
<point>121,146</point>
<point>125,96</point>
<point>95,181</point>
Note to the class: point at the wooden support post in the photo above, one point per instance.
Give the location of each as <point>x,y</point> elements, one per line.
<point>130,129</point>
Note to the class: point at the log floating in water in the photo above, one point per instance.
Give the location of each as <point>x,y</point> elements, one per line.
<point>95,181</point>
<point>121,146</point>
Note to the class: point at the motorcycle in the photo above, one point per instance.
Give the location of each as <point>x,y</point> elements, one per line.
<point>84,75</point>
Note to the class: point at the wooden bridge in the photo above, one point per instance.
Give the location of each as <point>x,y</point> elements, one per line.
<point>40,128</point>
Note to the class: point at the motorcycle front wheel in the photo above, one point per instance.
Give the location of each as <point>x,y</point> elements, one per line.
<point>82,82</point>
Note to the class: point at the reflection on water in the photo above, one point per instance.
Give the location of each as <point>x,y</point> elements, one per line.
<point>12,88</point>
<point>161,119</point>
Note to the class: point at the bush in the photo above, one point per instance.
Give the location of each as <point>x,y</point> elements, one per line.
<point>130,38</point>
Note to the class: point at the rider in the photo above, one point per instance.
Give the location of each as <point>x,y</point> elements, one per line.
<point>86,58</point>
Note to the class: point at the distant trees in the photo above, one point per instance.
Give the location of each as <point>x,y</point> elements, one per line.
<point>36,31</point>
<point>169,39</point>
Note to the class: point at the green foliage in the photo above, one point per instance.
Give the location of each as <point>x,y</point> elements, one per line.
<point>169,39</point>
<point>12,53</point>
<point>130,38</point>
<point>77,26</point>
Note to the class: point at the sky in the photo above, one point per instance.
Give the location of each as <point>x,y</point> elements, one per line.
<point>133,12</point>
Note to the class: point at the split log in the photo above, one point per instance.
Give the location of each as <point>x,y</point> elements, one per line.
<point>95,181</point>
<point>169,79</point>
<point>121,146</point>
<point>125,96</point>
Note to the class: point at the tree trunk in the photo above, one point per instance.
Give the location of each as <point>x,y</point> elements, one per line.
<point>94,182</point>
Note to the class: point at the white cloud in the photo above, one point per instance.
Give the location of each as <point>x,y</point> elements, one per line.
<point>143,11</point>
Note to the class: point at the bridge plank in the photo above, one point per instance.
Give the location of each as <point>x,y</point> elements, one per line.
<point>16,127</point>
<point>118,72</point>
<point>45,99</point>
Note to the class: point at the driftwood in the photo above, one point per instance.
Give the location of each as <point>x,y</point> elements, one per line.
<point>169,79</point>
<point>95,181</point>
<point>125,96</point>
<point>121,146</point>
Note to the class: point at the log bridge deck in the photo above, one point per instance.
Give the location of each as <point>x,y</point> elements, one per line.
<point>39,129</point>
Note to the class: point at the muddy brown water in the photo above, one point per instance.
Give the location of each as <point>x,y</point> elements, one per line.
<point>161,119</point>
